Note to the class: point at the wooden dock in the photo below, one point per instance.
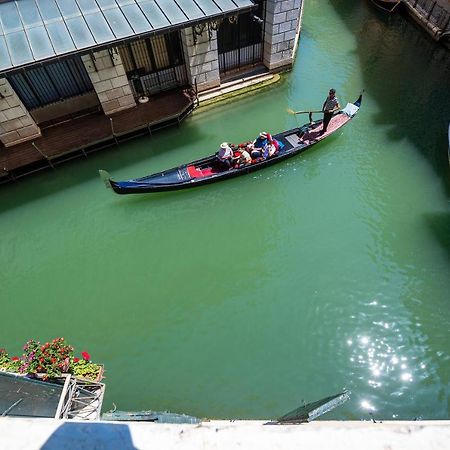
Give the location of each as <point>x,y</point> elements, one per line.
<point>80,136</point>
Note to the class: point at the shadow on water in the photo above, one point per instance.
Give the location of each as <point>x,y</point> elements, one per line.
<point>408,76</point>
<point>78,171</point>
<point>90,435</point>
<point>439,224</point>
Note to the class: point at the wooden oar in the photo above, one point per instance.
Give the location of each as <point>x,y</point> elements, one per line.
<point>291,111</point>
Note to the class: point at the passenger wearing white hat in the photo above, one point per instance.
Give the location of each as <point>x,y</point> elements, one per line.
<point>225,156</point>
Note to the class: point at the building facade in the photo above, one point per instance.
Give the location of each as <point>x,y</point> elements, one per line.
<point>63,58</point>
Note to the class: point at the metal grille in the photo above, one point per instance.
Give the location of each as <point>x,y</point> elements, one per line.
<point>51,83</point>
<point>240,42</point>
<point>154,64</point>
<point>244,56</point>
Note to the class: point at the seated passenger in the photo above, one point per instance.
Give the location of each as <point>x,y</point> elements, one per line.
<point>271,147</point>
<point>258,145</point>
<point>269,150</point>
<point>244,158</point>
<point>225,156</point>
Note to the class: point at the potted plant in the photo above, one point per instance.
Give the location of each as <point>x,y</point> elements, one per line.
<point>51,360</point>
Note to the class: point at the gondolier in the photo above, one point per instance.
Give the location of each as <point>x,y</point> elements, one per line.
<point>330,106</point>
<point>210,170</point>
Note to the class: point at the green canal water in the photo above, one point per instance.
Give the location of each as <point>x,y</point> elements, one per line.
<point>242,299</point>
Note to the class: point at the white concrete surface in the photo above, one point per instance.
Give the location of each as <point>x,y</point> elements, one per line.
<point>50,434</point>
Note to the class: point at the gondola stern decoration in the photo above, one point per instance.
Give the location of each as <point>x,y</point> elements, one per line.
<point>106,178</point>
<point>358,102</point>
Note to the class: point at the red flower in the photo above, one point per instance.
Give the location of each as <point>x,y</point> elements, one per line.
<point>75,360</point>
<point>14,358</point>
<point>86,356</point>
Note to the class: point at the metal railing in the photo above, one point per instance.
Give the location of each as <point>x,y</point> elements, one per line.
<point>240,42</point>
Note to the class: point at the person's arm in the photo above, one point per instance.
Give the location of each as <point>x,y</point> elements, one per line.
<point>323,107</point>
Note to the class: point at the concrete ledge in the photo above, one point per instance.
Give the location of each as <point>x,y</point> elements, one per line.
<point>50,434</point>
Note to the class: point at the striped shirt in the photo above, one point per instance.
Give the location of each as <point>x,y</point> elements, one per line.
<point>330,104</point>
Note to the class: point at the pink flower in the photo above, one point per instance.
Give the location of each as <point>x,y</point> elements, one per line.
<point>86,356</point>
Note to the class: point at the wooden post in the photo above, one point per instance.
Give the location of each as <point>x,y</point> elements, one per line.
<point>444,27</point>
<point>431,10</point>
<point>10,175</point>
<point>196,92</point>
<point>44,156</point>
<point>112,129</point>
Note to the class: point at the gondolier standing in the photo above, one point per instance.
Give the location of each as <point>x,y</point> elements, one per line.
<point>330,106</point>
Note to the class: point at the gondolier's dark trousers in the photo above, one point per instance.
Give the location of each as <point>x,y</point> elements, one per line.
<point>326,120</point>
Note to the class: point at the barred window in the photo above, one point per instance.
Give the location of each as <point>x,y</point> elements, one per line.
<point>152,54</point>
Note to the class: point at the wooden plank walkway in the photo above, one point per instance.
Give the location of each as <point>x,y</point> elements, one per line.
<point>64,140</point>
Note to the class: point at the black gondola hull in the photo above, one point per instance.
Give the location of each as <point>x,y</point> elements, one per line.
<point>177,178</point>
<point>203,181</point>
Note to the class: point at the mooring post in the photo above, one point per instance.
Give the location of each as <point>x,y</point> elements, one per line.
<point>196,92</point>
<point>9,174</point>
<point>42,154</point>
<point>431,11</point>
<point>444,27</point>
<point>112,130</point>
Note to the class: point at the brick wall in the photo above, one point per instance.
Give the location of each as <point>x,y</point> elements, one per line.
<point>16,124</point>
<point>202,58</point>
<point>282,26</point>
<point>110,81</point>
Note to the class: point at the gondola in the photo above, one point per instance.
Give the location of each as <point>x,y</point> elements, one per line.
<point>388,6</point>
<point>448,143</point>
<point>207,170</point>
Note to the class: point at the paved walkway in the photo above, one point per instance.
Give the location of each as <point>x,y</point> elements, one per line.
<point>50,434</point>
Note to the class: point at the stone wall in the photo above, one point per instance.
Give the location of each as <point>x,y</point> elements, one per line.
<point>202,58</point>
<point>16,124</point>
<point>282,25</point>
<point>110,81</point>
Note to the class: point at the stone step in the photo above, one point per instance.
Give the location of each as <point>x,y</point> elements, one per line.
<point>234,85</point>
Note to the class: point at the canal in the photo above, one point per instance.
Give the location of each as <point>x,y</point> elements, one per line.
<point>242,299</point>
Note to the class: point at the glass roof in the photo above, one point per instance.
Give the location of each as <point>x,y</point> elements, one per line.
<point>34,30</point>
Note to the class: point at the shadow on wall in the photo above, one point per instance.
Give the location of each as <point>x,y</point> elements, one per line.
<point>78,435</point>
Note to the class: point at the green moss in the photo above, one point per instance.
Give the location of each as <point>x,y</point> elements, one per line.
<point>225,98</point>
